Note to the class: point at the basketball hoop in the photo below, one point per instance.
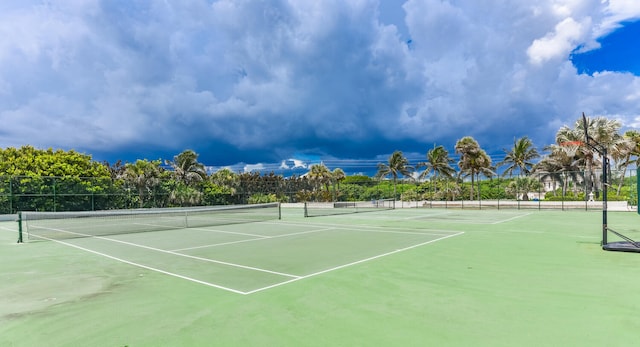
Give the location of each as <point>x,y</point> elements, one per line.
<point>571,143</point>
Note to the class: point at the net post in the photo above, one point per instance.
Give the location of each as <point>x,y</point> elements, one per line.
<point>306,213</point>
<point>279,211</point>
<point>20,239</point>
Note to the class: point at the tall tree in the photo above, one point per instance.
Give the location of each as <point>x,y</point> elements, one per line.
<point>397,165</point>
<point>523,185</point>
<point>144,175</point>
<point>338,176</point>
<point>116,170</point>
<point>438,162</point>
<point>320,174</point>
<point>186,168</point>
<point>603,130</point>
<point>40,172</point>
<point>561,165</point>
<point>29,161</point>
<point>226,178</point>
<point>628,152</point>
<point>473,161</point>
<point>520,157</point>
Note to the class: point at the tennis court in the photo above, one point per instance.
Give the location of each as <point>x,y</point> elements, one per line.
<point>390,277</point>
<point>228,255</point>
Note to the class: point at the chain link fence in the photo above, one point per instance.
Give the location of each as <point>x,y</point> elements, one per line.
<point>566,190</point>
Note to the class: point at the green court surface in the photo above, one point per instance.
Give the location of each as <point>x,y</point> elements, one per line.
<point>404,277</point>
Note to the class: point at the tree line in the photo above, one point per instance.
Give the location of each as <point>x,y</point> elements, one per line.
<point>570,163</point>
<point>32,179</point>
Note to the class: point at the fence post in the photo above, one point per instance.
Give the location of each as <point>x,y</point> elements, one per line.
<point>10,194</point>
<point>54,194</point>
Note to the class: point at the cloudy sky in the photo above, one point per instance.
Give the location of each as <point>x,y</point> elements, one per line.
<point>282,83</point>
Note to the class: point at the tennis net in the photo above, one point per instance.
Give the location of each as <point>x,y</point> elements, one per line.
<point>314,209</point>
<point>66,225</point>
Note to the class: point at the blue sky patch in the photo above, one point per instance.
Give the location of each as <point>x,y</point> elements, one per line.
<point>619,52</point>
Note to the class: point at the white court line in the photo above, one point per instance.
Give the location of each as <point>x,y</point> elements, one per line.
<point>145,266</point>
<point>550,232</point>
<point>373,228</point>
<point>305,232</point>
<point>250,240</point>
<point>539,232</point>
<point>427,215</point>
<point>294,277</point>
<point>216,244</point>
<point>396,232</point>
<point>465,221</point>
<point>512,218</point>
<point>178,254</point>
<point>203,229</point>
<point>351,264</point>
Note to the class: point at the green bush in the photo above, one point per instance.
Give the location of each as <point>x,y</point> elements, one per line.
<point>569,196</point>
<point>410,195</point>
<point>260,198</point>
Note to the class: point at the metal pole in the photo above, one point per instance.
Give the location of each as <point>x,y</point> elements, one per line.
<point>605,168</point>
<point>20,240</point>
<point>10,178</point>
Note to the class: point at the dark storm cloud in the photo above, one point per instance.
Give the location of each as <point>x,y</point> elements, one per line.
<point>250,82</point>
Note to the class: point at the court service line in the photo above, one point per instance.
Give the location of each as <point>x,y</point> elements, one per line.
<point>538,232</point>
<point>144,266</point>
<point>352,263</point>
<point>426,216</point>
<point>444,233</point>
<point>250,240</point>
<point>372,228</point>
<point>512,218</point>
<point>178,254</point>
<point>382,229</point>
<point>209,230</point>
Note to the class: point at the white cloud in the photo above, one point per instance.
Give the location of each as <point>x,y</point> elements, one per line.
<point>635,122</point>
<point>559,43</point>
<point>253,167</point>
<point>615,12</point>
<point>293,164</point>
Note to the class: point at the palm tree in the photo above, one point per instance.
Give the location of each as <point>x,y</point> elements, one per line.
<point>186,167</point>
<point>623,153</point>
<point>547,170</point>
<point>473,160</point>
<point>561,165</point>
<point>320,174</point>
<point>116,170</point>
<point>520,157</point>
<point>524,185</point>
<point>144,175</point>
<point>438,162</point>
<point>398,165</point>
<point>602,130</point>
<point>338,175</point>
